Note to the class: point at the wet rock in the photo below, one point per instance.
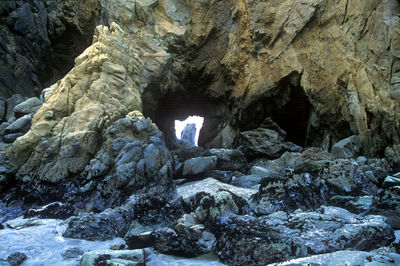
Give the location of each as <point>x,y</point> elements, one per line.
<point>350,258</point>
<point>266,141</point>
<point>13,101</point>
<point>247,181</point>
<point>22,125</point>
<point>186,240</point>
<point>114,257</point>
<point>356,205</point>
<point>244,240</point>
<point>20,223</point>
<point>310,160</point>
<point>189,134</point>
<point>29,106</point>
<point>10,138</point>
<point>211,186</point>
<point>222,203</point>
<point>16,258</point>
<point>199,165</point>
<point>55,210</point>
<point>347,148</point>
<point>391,181</point>
<point>72,253</point>
<point>388,205</point>
<point>228,159</point>
<point>223,176</point>
<point>106,225</point>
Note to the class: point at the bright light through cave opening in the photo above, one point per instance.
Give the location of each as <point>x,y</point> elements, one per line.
<point>180,125</point>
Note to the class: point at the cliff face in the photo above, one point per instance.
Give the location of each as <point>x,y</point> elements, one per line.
<point>323,70</point>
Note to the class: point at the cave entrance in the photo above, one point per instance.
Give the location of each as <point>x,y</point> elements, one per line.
<point>189,129</point>
<point>292,114</point>
<point>181,105</point>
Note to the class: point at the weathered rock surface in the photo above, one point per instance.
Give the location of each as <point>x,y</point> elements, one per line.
<point>199,165</point>
<point>279,236</point>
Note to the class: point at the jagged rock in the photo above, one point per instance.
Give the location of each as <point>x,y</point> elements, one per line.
<point>347,148</point>
<point>114,257</point>
<point>350,258</point>
<point>391,181</point>
<point>311,189</point>
<point>310,160</point>
<point>356,205</point>
<point>29,106</point>
<point>388,206</point>
<point>108,224</point>
<point>266,141</point>
<point>199,165</point>
<point>228,159</point>
<point>279,237</point>
<point>189,134</point>
<point>189,241</point>
<point>211,186</point>
<point>17,258</point>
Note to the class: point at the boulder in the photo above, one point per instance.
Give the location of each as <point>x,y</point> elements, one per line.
<point>29,106</point>
<point>114,257</point>
<point>387,205</point>
<point>266,141</point>
<point>245,240</point>
<point>21,125</point>
<point>199,165</point>
<point>16,258</point>
<point>247,181</point>
<point>228,159</point>
<point>10,138</point>
<point>211,186</point>
<point>72,253</point>
<point>347,148</point>
<point>106,225</point>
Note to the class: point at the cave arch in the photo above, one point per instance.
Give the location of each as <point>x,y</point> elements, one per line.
<point>179,106</point>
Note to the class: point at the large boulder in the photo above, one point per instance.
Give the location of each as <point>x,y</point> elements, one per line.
<point>199,165</point>
<point>266,141</point>
<point>245,240</point>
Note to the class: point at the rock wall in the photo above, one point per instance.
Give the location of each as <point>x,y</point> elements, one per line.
<point>341,58</point>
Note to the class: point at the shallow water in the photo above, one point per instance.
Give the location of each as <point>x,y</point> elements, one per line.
<point>44,245</point>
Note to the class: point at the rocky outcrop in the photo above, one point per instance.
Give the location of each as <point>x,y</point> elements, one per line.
<point>279,237</point>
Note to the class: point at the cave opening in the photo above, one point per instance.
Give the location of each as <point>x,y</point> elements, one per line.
<point>178,106</point>
<point>292,114</point>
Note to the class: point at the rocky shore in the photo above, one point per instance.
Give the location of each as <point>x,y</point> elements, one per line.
<point>298,158</point>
